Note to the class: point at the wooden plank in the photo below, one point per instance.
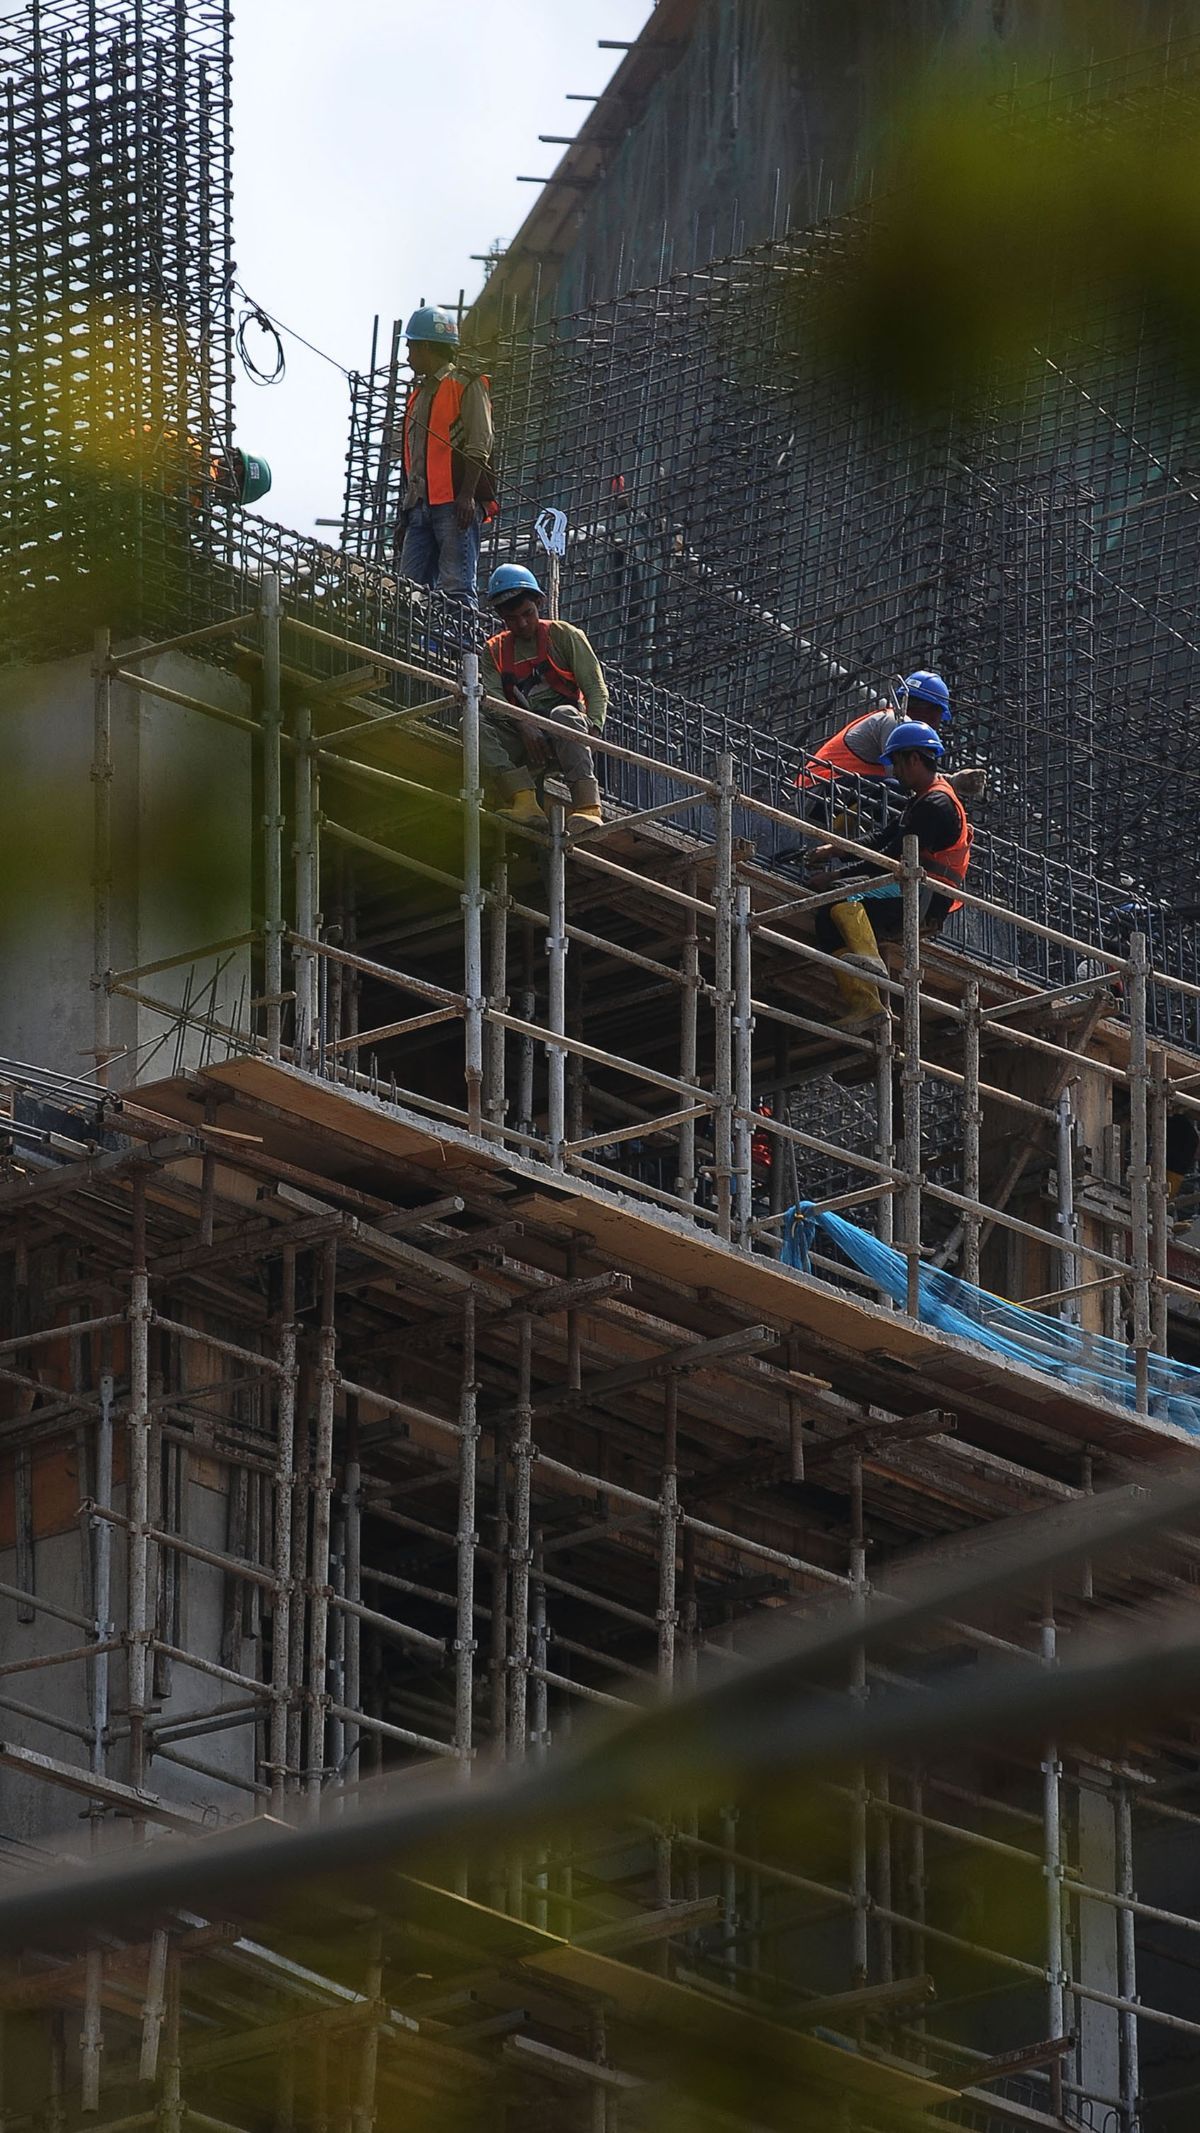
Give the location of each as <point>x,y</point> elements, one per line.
<point>667,1247</point>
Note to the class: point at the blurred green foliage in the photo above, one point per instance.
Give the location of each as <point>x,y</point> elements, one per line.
<point>1003,222</point>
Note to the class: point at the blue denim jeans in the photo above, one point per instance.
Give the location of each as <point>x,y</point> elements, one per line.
<point>437,551</point>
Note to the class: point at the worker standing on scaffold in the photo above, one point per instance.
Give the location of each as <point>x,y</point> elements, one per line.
<point>445,443</point>
<point>858,750</point>
<point>550,668</point>
<point>934,814</point>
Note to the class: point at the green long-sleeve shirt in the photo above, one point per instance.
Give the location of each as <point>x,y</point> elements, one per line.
<point>570,649</point>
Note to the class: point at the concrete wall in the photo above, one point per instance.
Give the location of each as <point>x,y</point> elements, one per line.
<point>191,1608</point>
<point>182,841</point>
<point>781,110</point>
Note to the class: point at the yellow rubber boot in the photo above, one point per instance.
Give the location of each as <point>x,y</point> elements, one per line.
<point>521,807</point>
<point>585,810</point>
<point>862,948</point>
<point>861,999</point>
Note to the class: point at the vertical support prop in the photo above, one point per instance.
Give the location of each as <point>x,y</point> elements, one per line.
<point>689,1002</point>
<point>883,1873</point>
<point>91,2040</point>
<point>1068,1228</point>
<point>743,1074</point>
<point>472,896</point>
<point>723,1000</point>
<point>917,1888</point>
<point>859,1886</point>
<point>171,2112</point>
<point>519,1543</point>
<point>351,1623</point>
<point>1127,1960</point>
<point>154,2006</point>
<point>525,1045</point>
<point>885,1129</point>
<point>1053,1871</point>
<point>519,1559</point>
<point>910,1080</point>
<point>1139,1168</point>
<point>466,1541</point>
<point>282,1596</point>
<point>322,1494</point>
<point>139,1487</point>
<point>972,1122</point>
<point>1160,1223</point>
<point>496,1101</point>
<point>102,1570</point>
<point>668,1610</point>
<point>304,853</point>
<point>102,878</point>
<point>556,1011</point>
<point>362,2115</point>
<point>272,726</point>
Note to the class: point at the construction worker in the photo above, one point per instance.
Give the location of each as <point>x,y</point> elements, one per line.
<point>550,668</point>
<point>857,749</point>
<point>445,444</point>
<point>934,814</point>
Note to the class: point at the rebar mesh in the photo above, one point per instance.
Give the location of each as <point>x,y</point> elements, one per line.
<point>114,294</point>
<point>754,529</point>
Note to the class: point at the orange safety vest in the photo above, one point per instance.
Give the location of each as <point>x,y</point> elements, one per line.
<point>835,756</point>
<point>514,673</point>
<point>950,864</point>
<point>443,464</point>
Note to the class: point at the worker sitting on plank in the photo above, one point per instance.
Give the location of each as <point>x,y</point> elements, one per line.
<point>550,668</point>
<point>445,444</point>
<point>858,750</point>
<point>934,814</point>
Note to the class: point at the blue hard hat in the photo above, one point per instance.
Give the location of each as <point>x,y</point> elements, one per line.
<point>927,688</point>
<point>431,324</point>
<point>509,580</point>
<point>913,733</point>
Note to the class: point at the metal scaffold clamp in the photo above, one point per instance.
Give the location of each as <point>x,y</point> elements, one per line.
<point>550,527</point>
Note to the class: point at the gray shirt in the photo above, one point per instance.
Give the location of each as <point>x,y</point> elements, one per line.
<point>471,434</point>
<point>868,737</point>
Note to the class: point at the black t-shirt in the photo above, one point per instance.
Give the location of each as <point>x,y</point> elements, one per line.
<point>933,819</point>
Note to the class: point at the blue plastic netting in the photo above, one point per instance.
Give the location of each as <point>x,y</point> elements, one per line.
<point>1088,1361</point>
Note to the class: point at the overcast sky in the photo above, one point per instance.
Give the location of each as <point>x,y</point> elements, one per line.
<point>376,146</point>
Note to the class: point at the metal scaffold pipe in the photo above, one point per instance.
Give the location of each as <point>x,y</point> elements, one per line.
<point>556,980</point>
<point>283,1596</point>
<point>306,965</point>
<point>910,1073</point>
<point>466,1544</point>
<point>102,858</point>
<point>743,1041</point>
<point>723,1000</point>
<point>1139,1165</point>
<point>321,1485</point>
<point>472,896</point>
<point>272,724</point>
<point>138,1437</point>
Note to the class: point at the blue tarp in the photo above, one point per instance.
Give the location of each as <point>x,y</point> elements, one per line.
<point>1087,1361</point>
